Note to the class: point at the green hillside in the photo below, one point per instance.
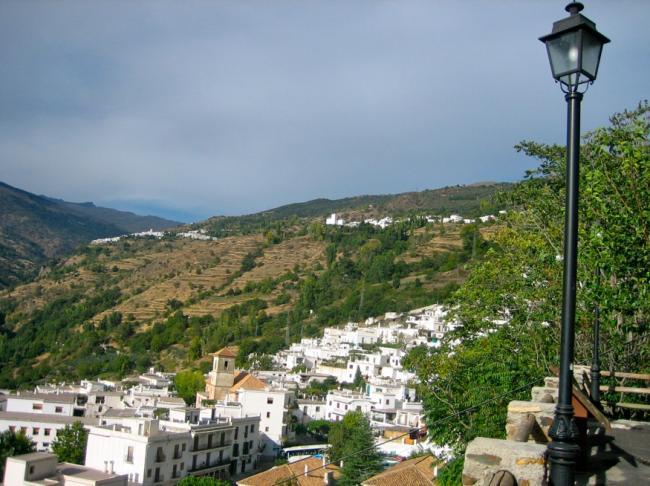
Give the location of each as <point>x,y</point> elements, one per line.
<point>115,308</point>
<point>467,200</point>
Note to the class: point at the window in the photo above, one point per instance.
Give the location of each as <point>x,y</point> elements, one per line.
<point>268,414</point>
<point>46,445</point>
<point>235,450</point>
<point>160,455</point>
<point>37,406</point>
<point>236,432</point>
<point>317,408</point>
<point>36,430</point>
<point>246,432</point>
<point>338,405</point>
<point>31,469</point>
<point>266,429</point>
<point>269,400</point>
<point>183,448</point>
<point>129,454</point>
<point>225,365</point>
<point>222,441</point>
<point>182,466</point>
<point>58,409</point>
<point>252,428</point>
<point>245,449</point>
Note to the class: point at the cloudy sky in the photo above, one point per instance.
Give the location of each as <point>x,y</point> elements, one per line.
<point>193,108</point>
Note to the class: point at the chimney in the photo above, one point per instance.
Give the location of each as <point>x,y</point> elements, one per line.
<point>327,477</point>
<point>112,472</point>
<point>105,466</point>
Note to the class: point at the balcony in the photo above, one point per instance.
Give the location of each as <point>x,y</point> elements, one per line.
<point>203,467</point>
<point>206,447</point>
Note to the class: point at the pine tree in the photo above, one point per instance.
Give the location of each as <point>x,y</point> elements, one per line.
<point>351,442</point>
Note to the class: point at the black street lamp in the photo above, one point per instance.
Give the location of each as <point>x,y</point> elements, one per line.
<point>574,47</point>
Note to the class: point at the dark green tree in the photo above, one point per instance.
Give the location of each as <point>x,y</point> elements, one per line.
<point>359,382</point>
<point>510,304</point>
<point>351,441</point>
<point>187,383</point>
<point>70,443</point>
<point>12,444</point>
<point>319,428</point>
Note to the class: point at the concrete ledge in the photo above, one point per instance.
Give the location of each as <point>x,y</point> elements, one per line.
<point>484,457</point>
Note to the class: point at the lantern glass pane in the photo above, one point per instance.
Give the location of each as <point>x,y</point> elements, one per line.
<point>591,48</point>
<point>563,52</point>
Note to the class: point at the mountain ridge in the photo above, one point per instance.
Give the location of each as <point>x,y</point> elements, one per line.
<point>35,229</point>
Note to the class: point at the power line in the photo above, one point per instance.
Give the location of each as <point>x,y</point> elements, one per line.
<point>423,428</point>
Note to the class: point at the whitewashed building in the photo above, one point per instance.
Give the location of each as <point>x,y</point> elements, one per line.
<point>39,468</point>
<point>150,451</point>
<point>41,428</point>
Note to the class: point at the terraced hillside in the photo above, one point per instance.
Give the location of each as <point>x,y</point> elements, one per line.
<point>110,309</point>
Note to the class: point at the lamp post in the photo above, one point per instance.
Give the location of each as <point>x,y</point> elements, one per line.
<point>595,360</point>
<point>574,47</point>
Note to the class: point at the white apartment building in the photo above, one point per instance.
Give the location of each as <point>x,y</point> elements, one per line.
<point>274,407</point>
<point>411,414</point>
<point>340,402</point>
<point>101,401</point>
<point>308,410</point>
<point>39,468</point>
<point>47,403</point>
<point>41,428</point>
<point>151,452</point>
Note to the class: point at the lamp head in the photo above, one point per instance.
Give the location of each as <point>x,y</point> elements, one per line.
<point>574,48</point>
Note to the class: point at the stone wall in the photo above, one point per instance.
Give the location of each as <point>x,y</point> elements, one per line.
<point>525,460</point>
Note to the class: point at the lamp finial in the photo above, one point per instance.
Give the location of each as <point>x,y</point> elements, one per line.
<point>574,8</point>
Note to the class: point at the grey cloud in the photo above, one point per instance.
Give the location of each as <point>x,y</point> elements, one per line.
<point>231,107</point>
